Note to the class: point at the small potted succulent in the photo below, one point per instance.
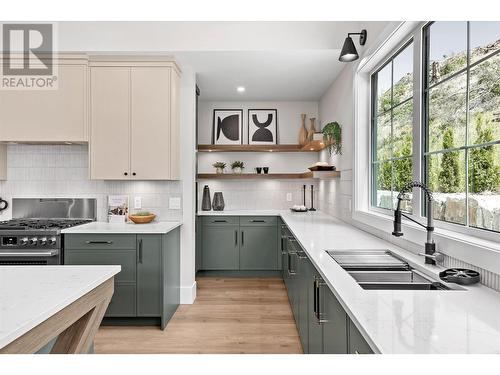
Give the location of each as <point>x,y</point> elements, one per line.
<point>219,167</point>
<point>332,136</point>
<point>237,166</point>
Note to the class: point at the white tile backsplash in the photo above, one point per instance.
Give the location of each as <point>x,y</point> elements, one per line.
<point>259,194</point>
<point>62,171</point>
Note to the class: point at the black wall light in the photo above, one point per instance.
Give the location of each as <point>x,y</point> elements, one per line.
<point>349,52</point>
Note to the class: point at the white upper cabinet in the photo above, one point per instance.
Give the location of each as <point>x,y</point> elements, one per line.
<point>134,132</point>
<point>46,116</point>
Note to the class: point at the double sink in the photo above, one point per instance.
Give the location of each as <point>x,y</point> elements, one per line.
<point>382,269</point>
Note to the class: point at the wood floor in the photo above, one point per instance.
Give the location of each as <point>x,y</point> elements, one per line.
<point>230,315</point>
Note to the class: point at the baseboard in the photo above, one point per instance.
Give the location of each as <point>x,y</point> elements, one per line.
<point>263,273</point>
<point>188,294</point>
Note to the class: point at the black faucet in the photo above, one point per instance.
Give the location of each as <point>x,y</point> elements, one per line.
<point>431,257</point>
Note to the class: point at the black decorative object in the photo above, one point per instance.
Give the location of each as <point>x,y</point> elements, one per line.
<point>3,204</point>
<point>304,196</point>
<point>218,202</point>
<point>227,127</point>
<point>206,204</point>
<point>312,199</point>
<point>461,276</point>
<point>258,170</point>
<point>349,52</point>
<point>262,126</point>
<point>265,169</point>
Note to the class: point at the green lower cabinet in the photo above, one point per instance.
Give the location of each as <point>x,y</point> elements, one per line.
<point>149,275</point>
<point>258,248</point>
<point>220,247</point>
<point>357,343</point>
<point>335,324</point>
<point>303,300</point>
<point>149,282</point>
<point>246,243</point>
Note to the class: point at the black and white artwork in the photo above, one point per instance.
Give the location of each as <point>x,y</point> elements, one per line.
<point>262,126</point>
<point>227,127</point>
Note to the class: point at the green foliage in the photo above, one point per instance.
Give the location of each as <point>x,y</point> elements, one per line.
<point>237,164</point>
<point>393,175</point>
<point>484,175</point>
<point>219,164</point>
<point>449,176</point>
<point>332,135</point>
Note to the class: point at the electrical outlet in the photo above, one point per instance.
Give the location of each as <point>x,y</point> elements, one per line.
<point>288,197</point>
<point>174,203</point>
<point>137,203</point>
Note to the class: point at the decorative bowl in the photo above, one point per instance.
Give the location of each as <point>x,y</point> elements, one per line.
<point>142,219</point>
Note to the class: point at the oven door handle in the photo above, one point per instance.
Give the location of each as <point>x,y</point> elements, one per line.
<point>50,253</point>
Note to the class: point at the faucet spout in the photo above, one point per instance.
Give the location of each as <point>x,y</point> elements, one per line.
<point>430,246</point>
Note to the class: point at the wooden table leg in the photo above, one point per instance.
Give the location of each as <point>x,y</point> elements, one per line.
<point>74,326</point>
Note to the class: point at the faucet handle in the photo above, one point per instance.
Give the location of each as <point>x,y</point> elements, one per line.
<point>438,257</point>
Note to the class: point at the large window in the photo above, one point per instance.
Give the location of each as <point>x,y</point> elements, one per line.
<point>461,101</point>
<point>435,117</point>
<point>392,119</point>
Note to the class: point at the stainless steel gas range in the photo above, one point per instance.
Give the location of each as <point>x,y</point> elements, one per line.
<point>33,236</point>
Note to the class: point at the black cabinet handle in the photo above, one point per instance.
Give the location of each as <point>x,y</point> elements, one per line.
<point>257,221</point>
<point>318,283</point>
<point>242,238</point>
<point>219,221</point>
<point>99,242</point>
<point>235,237</point>
<point>140,250</point>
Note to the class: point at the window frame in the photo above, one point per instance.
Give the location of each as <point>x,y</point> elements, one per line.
<point>425,90</point>
<point>363,206</point>
<point>374,115</point>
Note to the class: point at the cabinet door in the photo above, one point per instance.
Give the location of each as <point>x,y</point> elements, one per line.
<point>150,123</point>
<point>110,123</point>
<point>47,115</point>
<point>220,249</point>
<point>357,343</point>
<point>149,275</point>
<point>315,328</point>
<point>258,248</point>
<point>303,304</point>
<point>335,326</point>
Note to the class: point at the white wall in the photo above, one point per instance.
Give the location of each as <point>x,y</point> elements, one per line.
<point>62,171</point>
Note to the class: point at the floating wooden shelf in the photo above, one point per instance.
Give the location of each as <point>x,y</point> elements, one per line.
<point>251,148</point>
<point>326,175</point>
<point>254,176</point>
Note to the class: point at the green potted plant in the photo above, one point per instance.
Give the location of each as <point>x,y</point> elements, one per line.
<point>237,166</point>
<point>219,167</point>
<point>332,136</point>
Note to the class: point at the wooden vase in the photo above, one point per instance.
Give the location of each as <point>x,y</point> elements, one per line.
<point>312,129</point>
<point>303,131</point>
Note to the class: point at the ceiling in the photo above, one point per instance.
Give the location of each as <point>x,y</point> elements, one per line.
<point>273,60</point>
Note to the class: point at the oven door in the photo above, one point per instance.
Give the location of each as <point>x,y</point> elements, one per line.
<point>28,257</point>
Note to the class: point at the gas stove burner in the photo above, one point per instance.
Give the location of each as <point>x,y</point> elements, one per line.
<point>41,224</point>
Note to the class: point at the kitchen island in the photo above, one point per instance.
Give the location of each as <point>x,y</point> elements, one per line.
<point>42,303</point>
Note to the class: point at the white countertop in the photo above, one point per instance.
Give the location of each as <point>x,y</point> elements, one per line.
<point>31,294</point>
<point>158,227</point>
<point>397,321</point>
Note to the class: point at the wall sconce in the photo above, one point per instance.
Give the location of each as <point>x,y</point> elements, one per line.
<point>349,52</point>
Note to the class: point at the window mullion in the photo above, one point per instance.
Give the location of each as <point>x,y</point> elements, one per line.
<point>417,120</point>
<point>467,128</point>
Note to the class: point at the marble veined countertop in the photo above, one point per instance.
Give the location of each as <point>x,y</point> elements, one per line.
<point>95,227</point>
<point>31,294</point>
<point>396,321</point>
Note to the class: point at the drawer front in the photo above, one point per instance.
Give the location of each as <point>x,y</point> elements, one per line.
<point>221,220</point>
<point>100,241</point>
<point>105,257</point>
<point>259,220</point>
<point>123,301</point>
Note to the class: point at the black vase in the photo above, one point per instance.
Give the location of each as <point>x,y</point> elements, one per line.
<point>218,203</point>
<point>206,204</point>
